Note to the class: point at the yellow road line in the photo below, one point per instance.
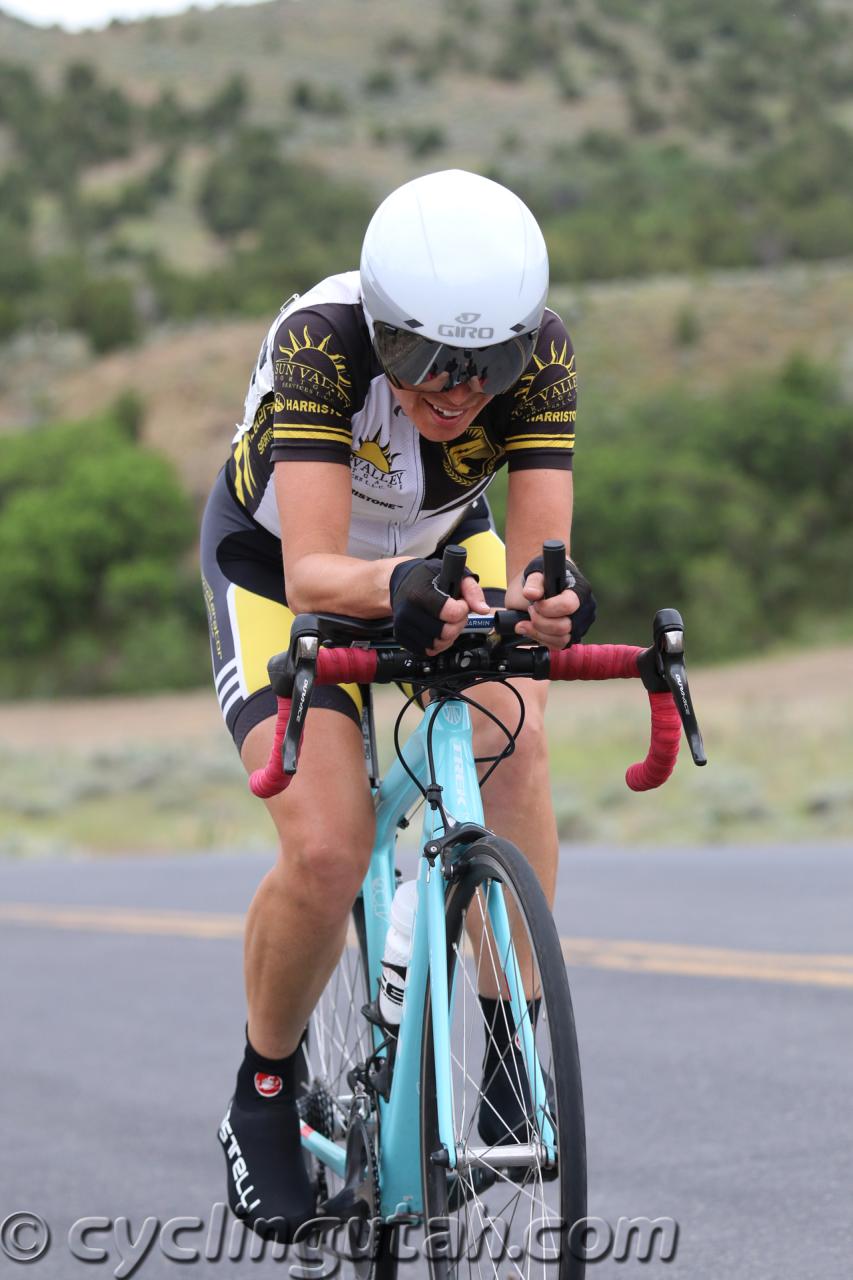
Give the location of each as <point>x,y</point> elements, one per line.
<point>711,955</point>
<point>710,962</point>
<point>182,924</point>
<point>799,968</point>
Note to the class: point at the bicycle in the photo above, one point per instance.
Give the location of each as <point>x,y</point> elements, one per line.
<point>481,920</point>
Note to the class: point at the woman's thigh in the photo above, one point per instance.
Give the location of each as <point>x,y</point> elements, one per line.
<point>325,818</point>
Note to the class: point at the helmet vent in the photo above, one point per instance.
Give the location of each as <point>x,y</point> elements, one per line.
<point>518,328</point>
<point>415,324</point>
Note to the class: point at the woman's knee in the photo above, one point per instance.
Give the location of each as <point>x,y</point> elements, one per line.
<point>323,865</point>
<point>531,745</point>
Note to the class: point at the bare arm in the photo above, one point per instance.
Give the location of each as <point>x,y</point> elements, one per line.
<point>315,506</point>
<point>539,506</point>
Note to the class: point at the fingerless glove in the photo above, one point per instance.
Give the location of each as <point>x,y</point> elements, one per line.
<point>584,615</point>
<point>416,603</point>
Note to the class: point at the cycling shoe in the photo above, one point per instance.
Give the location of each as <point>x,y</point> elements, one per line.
<point>268,1183</point>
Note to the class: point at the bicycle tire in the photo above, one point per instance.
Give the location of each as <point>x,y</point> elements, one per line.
<point>449,1196</point>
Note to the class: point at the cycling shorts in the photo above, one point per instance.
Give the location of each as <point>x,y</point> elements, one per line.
<point>244,589</point>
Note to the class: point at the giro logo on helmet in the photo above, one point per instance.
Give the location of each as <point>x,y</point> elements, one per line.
<point>465,330</point>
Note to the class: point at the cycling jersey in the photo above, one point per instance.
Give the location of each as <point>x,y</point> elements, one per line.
<point>318,393</point>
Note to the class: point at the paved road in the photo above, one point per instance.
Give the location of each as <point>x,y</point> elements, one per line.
<point>713,996</point>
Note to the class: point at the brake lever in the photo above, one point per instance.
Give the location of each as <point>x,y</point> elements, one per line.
<point>668,656</point>
<point>292,675</point>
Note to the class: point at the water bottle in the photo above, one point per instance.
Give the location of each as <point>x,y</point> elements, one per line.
<point>398,949</point>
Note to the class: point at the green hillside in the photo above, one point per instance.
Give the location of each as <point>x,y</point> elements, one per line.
<point>165,184</point>
<point>210,162</point>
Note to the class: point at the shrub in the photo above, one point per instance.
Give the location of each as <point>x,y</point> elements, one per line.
<point>424,139</point>
<point>688,328</point>
<point>380,82</point>
<point>689,502</point>
<point>645,116</point>
<point>568,83</point>
<point>228,106</point>
<point>128,413</point>
<point>105,310</point>
<point>93,533</point>
<point>318,99</point>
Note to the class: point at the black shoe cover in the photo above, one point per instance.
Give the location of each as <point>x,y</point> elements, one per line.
<point>268,1184</point>
<point>506,1109</point>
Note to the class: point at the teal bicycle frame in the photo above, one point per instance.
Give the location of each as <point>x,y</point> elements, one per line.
<point>448,724</point>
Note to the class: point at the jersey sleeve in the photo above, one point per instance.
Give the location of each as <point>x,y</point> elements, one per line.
<point>312,384</point>
<point>541,427</point>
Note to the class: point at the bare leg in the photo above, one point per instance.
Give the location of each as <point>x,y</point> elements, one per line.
<point>296,924</point>
<point>517,798</point>
<point>517,801</point>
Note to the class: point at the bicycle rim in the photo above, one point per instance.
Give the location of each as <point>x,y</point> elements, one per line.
<point>493,1217</point>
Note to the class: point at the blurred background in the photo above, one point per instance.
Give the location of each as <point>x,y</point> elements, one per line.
<point>165,183</point>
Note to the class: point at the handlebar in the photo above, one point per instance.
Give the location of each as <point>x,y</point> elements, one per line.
<point>452,568</point>
<point>294,673</point>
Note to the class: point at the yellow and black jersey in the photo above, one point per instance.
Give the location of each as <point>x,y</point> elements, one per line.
<point>318,393</point>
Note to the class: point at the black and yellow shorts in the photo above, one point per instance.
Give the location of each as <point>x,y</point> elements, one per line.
<point>243,581</point>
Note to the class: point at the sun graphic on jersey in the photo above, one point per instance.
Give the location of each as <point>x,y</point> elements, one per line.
<point>323,362</point>
<point>378,455</point>
<point>549,379</point>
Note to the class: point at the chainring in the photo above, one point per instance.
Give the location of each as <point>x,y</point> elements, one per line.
<point>358,1203</point>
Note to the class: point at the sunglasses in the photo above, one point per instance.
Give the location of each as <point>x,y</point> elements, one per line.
<point>409,359</point>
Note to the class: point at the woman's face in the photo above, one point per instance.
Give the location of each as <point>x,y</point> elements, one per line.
<point>442,415</point>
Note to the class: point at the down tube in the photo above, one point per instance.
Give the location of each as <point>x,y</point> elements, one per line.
<point>395,796</point>
<point>454,767</point>
<point>400,1147</point>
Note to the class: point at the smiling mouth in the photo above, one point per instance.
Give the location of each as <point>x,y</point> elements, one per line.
<point>448,415</point>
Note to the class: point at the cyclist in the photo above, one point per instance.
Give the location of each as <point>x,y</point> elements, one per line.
<point>382,403</point>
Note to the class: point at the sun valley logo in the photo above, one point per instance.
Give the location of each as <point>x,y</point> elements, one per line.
<point>373,465</point>
<point>307,366</point>
<point>472,457</point>
<point>551,380</point>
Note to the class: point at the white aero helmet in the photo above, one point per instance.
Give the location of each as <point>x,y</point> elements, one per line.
<point>454,275</point>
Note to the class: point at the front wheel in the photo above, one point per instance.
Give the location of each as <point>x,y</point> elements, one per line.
<point>515,1086</point>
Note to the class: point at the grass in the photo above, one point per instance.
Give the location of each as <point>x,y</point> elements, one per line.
<point>780,761</point>
<point>778,731</point>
